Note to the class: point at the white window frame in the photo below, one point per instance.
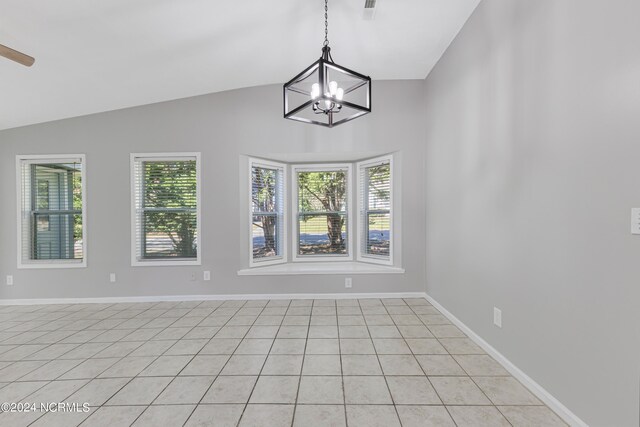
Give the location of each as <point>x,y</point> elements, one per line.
<point>282,259</point>
<point>44,159</point>
<point>362,255</point>
<point>295,228</point>
<point>178,156</point>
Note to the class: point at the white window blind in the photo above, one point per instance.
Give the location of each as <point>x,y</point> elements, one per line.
<point>166,216</point>
<point>51,212</point>
<point>375,206</point>
<point>322,219</point>
<point>267,212</point>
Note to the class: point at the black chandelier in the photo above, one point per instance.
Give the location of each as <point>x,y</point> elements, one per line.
<point>326,93</point>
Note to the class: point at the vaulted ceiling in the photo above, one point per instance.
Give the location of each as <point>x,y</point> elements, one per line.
<point>94,56</point>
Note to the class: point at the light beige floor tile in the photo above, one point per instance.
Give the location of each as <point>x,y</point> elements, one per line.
<point>186,347</point>
<point>319,416</point>
<point>221,346</point>
<point>244,365</point>
<point>446,331</point>
<point>414,331</point>
<point>459,391</point>
<point>140,391</point>
<point>461,346</point>
<point>321,390</point>
<point>357,346</point>
<point>19,369</point>
<point>323,346</point>
<point>412,390</point>
<point>51,370</point>
<point>119,349</point>
<point>114,416</point>
<point>275,389</point>
<point>267,416</point>
<point>15,392</point>
<point>400,365</point>
<point>321,364</point>
<point>201,332</point>
<point>63,419</point>
<point>254,346</point>
<point>372,416</point>
<point>391,346</point>
<point>506,391</point>
<point>56,391</point>
<point>477,416</point>
<point>205,364</point>
<point>480,365</point>
<point>128,367</point>
<point>166,416</point>
<point>89,369</point>
<point>288,346</point>
<point>283,365</point>
<point>367,390</point>
<point>353,332</point>
<point>439,364</point>
<point>384,332</point>
<point>184,390</point>
<point>425,346</point>
<point>262,332</point>
<point>292,332</point>
<point>233,389</point>
<point>424,416</point>
<point>98,391</point>
<point>351,320</point>
<point>531,416</point>
<point>153,348</point>
<point>358,364</point>
<point>215,416</point>
<point>165,366</point>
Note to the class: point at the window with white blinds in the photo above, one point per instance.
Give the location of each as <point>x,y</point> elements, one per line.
<point>267,205</point>
<point>375,195</point>
<point>166,209</point>
<point>51,215</point>
<point>321,214</point>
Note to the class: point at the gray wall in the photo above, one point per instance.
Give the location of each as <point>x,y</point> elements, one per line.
<point>533,132</point>
<point>222,126</point>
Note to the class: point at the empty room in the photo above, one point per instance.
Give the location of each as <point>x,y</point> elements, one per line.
<point>320,213</point>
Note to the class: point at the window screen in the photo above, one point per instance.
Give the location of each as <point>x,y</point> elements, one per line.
<point>267,212</point>
<point>51,204</point>
<point>375,208</point>
<point>166,208</point>
<point>322,212</point>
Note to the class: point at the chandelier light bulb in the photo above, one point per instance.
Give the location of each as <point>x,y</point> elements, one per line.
<point>333,87</point>
<point>340,94</point>
<point>315,90</point>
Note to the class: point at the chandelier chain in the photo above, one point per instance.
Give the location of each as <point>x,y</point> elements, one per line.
<point>326,22</point>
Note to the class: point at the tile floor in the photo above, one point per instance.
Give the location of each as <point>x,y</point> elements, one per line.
<point>367,362</point>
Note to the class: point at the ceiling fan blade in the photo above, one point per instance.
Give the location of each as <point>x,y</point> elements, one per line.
<point>16,56</point>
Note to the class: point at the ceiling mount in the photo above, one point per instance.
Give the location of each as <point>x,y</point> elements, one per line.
<point>16,56</point>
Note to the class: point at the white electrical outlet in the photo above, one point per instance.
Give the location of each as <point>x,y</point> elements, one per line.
<point>112,277</point>
<point>635,221</point>
<point>497,317</point>
<point>207,275</point>
<point>9,280</point>
<point>348,282</point>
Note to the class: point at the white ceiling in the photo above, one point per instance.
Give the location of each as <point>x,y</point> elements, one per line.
<point>94,56</point>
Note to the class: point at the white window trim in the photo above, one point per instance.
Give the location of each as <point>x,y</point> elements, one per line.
<point>285,223</point>
<point>47,158</point>
<point>135,262</point>
<point>294,211</point>
<point>362,256</point>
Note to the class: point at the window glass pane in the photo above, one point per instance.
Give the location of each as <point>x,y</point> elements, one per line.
<point>376,213</point>
<point>266,209</point>
<point>52,205</point>
<point>378,233</point>
<point>322,234</point>
<point>322,212</point>
<point>169,211</point>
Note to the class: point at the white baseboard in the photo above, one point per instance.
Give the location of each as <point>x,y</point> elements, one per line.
<point>221,297</point>
<point>542,394</point>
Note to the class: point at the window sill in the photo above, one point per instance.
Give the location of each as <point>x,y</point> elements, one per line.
<point>320,268</point>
